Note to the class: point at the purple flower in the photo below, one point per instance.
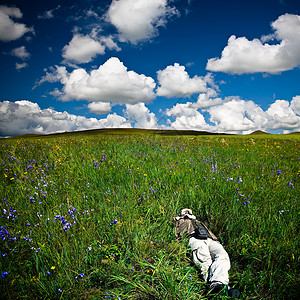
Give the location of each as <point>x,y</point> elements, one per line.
<point>48,272</point>
<point>115,221</point>
<point>60,290</point>
<point>278,172</point>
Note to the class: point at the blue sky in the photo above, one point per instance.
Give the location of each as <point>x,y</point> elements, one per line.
<point>219,66</point>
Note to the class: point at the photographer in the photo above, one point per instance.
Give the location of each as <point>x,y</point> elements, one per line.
<point>207,252</point>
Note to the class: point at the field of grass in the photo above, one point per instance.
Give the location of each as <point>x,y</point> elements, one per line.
<point>91,216</point>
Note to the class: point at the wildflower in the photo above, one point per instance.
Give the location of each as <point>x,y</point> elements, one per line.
<point>278,172</point>
<point>60,290</point>
<point>53,267</point>
<point>115,221</point>
<point>48,272</point>
<point>90,248</point>
<point>4,274</point>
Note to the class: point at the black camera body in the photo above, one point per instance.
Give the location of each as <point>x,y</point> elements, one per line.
<point>201,233</point>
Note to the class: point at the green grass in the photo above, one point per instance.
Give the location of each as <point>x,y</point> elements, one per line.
<point>91,216</point>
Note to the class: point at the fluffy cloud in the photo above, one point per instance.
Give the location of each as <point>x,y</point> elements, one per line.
<point>187,117</point>
<point>20,52</point>
<point>111,82</point>
<point>295,105</point>
<point>109,43</point>
<point>209,98</point>
<point>137,20</point>
<point>99,107</point>
<point>174,81</point>
<point>244,56</point>
<point>23,117</point>
<point>283,115</point>
<point>141,116</point>
<point>233,115</point>
<point>10,30</point>
<point>180,109</point>
<point>237,116</point>
<point>82,49</point>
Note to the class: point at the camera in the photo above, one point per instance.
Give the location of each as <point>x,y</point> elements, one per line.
<point>201,233</point>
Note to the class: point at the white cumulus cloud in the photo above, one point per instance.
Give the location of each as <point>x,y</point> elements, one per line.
<point>99,107</point>
<point>209,98</point>
<point>111,82</point>
<point>20,52</point>
<point>82,49</point>
<point>141,116</point>
<point>9,29</point>
<point>24,117</point>
<point>243,56</point>
<point>295,105</point>
<point>283,116</point>
<point>187,117</point>
<point>174,81</point>
<point>237,116</point>
<point>138,20</point>
<point>234,115</point>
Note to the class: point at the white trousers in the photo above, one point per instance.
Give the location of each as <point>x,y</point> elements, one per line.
<point>211,258</point>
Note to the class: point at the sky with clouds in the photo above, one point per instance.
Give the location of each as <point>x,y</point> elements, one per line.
<point>219,66</point>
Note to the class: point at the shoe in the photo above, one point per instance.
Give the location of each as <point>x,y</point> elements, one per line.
<point>234,293</point>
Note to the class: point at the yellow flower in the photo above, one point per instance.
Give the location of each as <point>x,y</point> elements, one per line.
<point>53,267</point>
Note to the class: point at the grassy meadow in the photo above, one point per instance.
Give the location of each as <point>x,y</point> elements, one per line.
<point>91,216</point>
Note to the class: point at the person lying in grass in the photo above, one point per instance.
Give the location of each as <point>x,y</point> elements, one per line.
<point>207,252</point>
